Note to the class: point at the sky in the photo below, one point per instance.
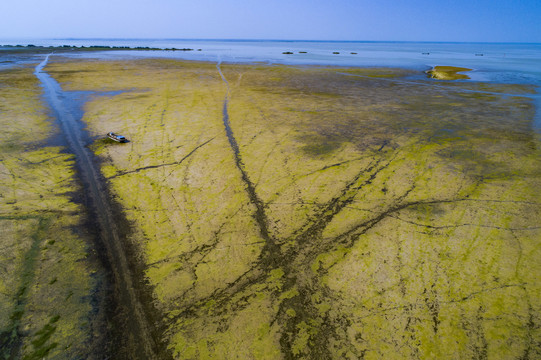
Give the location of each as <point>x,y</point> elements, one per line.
<point>371,20</point>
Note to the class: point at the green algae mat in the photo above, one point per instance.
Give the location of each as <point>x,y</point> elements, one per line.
<point>289,212</point>
<point>448,73</point>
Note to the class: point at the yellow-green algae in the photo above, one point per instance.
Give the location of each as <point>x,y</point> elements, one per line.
<point>46,283</point>
<point>448,73</point>
<point>400,220</point>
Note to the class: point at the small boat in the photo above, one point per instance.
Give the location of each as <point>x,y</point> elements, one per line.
<point>117,137</point>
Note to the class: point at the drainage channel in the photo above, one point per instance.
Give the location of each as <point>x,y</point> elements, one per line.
<point>132,327</point>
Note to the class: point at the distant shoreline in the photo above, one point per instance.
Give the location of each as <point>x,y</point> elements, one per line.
<point>64,48</point>
<point>274,40</point>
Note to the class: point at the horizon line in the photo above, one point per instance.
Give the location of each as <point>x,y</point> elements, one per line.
<point>268,39</point>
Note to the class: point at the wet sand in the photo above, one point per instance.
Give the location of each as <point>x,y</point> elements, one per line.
<point>307,212</point>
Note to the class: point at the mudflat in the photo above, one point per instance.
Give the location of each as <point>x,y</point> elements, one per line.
<point>295,212</point>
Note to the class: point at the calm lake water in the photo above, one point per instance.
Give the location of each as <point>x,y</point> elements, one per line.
<point>493,62</point>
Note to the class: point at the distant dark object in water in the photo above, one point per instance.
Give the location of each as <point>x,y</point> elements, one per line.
<point>336,52</point>
<point>425,53</point>
<point>479,54</point>
<point>287,53</point>
<point>353,53</point>
<point>117,137</point>
<point>199,49</point>
<point>302,52</point>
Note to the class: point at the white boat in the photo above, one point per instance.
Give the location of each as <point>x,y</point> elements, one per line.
<point>117,137</point>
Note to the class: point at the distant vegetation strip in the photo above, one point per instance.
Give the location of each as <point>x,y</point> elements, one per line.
<point>92,47</point>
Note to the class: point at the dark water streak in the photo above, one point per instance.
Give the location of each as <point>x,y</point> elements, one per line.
<point>259,215</point>
<point>132,327</point>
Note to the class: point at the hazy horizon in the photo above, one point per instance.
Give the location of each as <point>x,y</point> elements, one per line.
<point>265,39</point>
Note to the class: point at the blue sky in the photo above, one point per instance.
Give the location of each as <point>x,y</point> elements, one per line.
<point>378,20</point>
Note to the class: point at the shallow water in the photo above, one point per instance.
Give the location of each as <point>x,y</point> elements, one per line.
<point>497,58</point>
<point>509,63</point>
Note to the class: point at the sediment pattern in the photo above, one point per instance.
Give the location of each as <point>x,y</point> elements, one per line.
<point>324,213</point>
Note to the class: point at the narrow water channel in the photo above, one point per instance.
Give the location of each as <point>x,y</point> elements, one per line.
<point>134,330</point>
<point>259,215</point>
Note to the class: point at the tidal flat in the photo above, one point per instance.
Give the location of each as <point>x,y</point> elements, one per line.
<point>302,212</point>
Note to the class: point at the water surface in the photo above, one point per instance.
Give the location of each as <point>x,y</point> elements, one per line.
<point>508,63</point>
